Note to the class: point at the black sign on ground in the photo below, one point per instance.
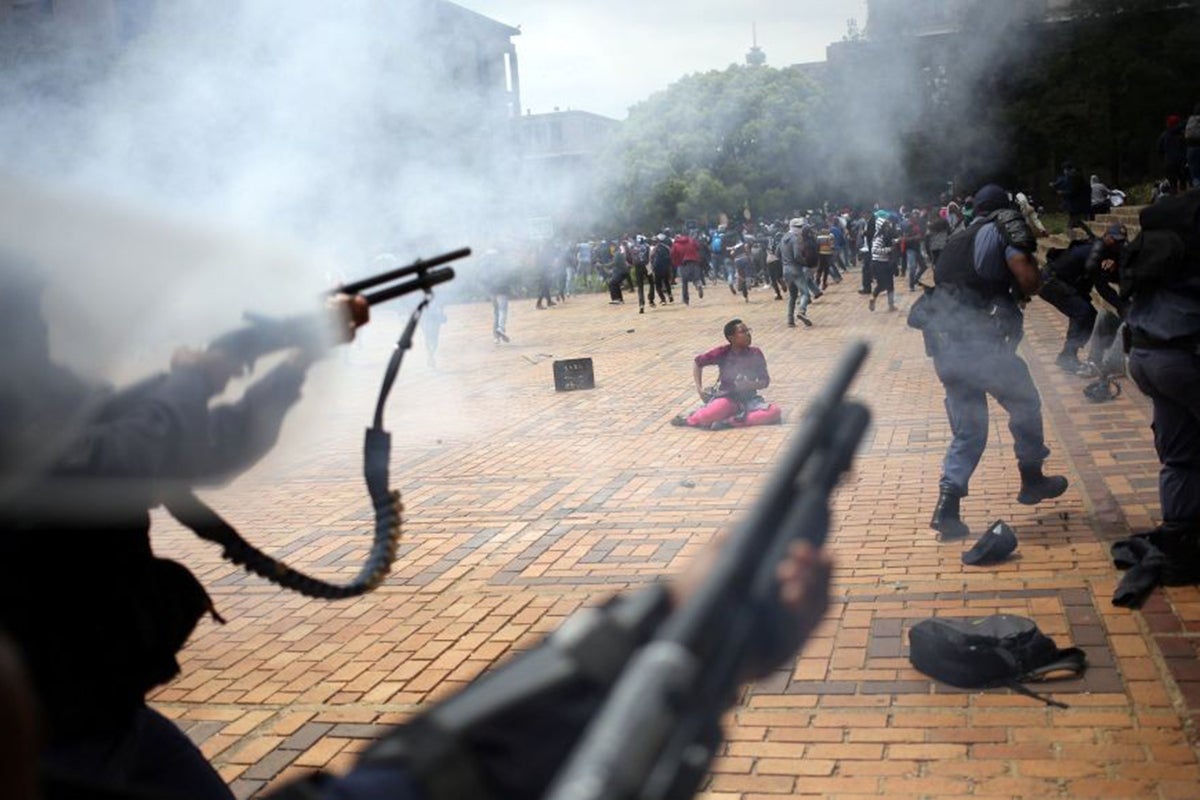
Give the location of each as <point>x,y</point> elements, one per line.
<point>572,374</point>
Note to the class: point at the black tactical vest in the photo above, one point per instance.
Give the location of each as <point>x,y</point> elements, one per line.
<point>968,306</point>
<point>955,267</point>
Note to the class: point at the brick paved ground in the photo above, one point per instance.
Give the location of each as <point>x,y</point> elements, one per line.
<point>524,504</point>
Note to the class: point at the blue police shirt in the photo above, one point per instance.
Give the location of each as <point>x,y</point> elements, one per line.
<point>992,254</point>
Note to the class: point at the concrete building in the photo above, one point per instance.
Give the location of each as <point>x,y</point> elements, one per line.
<point>558,157</point>
<point>88,23</point>
<point>478,52</point>
<point>932,17</point>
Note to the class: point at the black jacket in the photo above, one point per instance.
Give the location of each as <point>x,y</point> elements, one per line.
<point>97,616</point>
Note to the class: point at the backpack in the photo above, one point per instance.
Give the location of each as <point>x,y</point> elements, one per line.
<point>662,257</point>
<point>809,249</point>
<point>639,254</point>
<point>1000,650</point>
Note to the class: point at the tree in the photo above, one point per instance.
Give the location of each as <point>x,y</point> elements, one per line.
<point>709,144</point>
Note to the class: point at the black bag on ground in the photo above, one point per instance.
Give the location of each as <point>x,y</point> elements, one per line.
<point>1000,650</point>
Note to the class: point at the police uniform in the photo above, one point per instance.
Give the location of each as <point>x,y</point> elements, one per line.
<point>1164,361</point>
<point>97,617</point>
<point>973,344</point>
<point>1068,287</point>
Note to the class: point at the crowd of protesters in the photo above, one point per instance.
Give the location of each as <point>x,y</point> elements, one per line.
<point>796,258</point>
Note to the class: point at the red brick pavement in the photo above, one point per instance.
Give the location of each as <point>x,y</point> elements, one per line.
<point>524,504</point>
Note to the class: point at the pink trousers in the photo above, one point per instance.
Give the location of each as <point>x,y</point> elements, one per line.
<point>722,408</point>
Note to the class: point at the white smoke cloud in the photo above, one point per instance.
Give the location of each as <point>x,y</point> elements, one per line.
<point>337,129</point>
<point>234,157</point>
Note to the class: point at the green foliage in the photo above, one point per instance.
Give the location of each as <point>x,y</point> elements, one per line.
<point>1055,222</point>
<point>1140,194</point>
<point>1103,86</point>
<point>897,117</point>
<point>710,144</point>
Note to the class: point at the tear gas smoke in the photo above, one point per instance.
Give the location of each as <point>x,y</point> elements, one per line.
<point>910,113</point>
<point>209,159</point>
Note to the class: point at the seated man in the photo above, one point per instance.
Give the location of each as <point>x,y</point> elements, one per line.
<point>743,371</point>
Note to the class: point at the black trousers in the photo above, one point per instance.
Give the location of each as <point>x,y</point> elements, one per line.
<point>643,277</point>
<point>614,286</point>
<point>148,754</point>
<point>775,276</point>
<point>662,284</point>
<point>1081,316</point>
<point>1171,379</point>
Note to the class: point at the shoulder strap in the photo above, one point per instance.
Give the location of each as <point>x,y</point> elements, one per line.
<point>1071,660</point>
<point>377,445</point>
<point>1021,688</point>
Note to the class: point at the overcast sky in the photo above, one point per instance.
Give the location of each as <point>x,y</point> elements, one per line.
<point>606,55</point>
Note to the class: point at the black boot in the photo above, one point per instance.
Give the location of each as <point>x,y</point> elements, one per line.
<point>1068,361</point>
<point>1036,487</point>
<point>946,520</point>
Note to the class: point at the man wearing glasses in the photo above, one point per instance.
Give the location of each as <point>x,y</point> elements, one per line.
<point>735,403</point>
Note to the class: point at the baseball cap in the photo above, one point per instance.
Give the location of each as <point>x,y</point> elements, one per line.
<point>994,546</point>
<point>990,198</point>
<point>1117,231</point>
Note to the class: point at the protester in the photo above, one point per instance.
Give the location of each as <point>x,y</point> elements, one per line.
<point>792,259</point>
<point>660,263</point>
<point>742,373</point>
<point>1172,149</point>
<point>883,258</point>
<point>618,274</point>
<point>741,269</point>
<point>1101,197</point>
<point>496,278</point>
<point>685,257</point>
<point>546,266</point>
<point>432,320</point>
<point>1075,193</point>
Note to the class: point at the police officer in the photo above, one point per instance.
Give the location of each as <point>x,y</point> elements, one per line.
<point>982,275</point>
<point>511,731</point>
<point>96,617</point>
<point>1164,361</point>
<point>1067,284</point>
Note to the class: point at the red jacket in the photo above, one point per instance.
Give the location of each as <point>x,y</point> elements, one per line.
<point>683,250</point>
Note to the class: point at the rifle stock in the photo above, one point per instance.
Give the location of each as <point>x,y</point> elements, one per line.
<point>657,732</point>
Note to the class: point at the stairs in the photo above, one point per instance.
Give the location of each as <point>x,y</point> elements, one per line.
<point>1126,215</point>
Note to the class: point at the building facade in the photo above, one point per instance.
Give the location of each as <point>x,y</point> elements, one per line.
<point>559,156</point>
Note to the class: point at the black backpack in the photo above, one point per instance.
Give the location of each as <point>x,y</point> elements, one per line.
<point>1000,650</point>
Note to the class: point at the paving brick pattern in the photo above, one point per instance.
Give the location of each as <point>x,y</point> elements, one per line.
<point>524,504</point>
